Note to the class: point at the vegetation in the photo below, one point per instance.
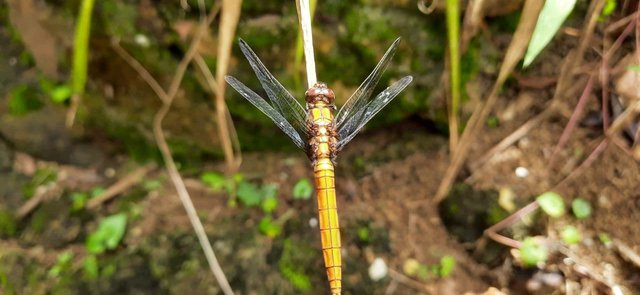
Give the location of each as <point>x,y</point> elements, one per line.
<point>127,166</point>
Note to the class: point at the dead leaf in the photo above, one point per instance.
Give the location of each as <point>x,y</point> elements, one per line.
<point>31,21</point>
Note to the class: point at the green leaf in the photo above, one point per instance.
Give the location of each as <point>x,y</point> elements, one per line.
<point>269,204</point>
<point>78,201</point>
<point>214,180</point>
<point>551,203</point>
<point>60,93</point>
<point>447,263</point>
<point>302,189</point>
<point>364,234</point>
<point>551,17</point>
<point>532,252</point>
<point>23,99</point>
<point>609,8</point>
<point>571,235</point>
<point>90,267</point>
<point>605,239</point>
<point>108,235</point>
<point>268,227</point>
<point>581,208</point>
<point>63,263</point>
<point>98,190</point>
<point>249,194</point>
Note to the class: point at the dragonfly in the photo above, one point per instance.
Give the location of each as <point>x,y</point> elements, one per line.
<point>319,133</point>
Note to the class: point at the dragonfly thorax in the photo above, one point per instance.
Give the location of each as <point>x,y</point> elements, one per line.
<point>319,93</point>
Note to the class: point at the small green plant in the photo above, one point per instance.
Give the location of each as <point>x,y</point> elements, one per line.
<point>215,181</point>
<point>447,263</point>
<point>551,203</point>
<point>608,9</point>
<point>80,199</point>
<point>532,252</point>
<point>605,239</point>
<point>581,208</point>
<point>291,267</point>
<point>90,267</point>
<point>364,234</point>
<point>108,235</point>
<point>63,264</point>
<point>303,189</point>
<point>443,269</point>
<point>23,99</point>
<point>250,195</point>
<point>59,93</point>
<point>269,227</point>
<point>571,235</point>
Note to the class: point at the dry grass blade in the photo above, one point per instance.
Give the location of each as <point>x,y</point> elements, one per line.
<point>226,34</point>
<point>167,98</point>
<point>304,17</point>
<point>472,22</point>
<point>213,85</point>
<point>514,54</point>
<point>563,88</point>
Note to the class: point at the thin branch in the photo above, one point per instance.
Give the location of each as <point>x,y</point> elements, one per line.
<point>167,99</point>
<point>120,186</point>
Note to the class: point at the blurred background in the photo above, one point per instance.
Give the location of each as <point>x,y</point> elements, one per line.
<point>508,166</point>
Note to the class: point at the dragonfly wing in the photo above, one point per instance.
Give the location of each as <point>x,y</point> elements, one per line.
<point>354,124</point>
<point>268,110</point>
<point>281,99</point>
<point>355,104</point>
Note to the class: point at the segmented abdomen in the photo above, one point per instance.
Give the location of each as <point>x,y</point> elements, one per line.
<point>328,221</point>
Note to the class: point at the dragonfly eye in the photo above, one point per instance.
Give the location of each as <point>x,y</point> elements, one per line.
<point>320,92</point>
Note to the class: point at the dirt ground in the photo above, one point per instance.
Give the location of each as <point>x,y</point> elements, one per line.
<point>391,195</point>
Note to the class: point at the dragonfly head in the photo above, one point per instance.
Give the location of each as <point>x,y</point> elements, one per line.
<point>319,93</point>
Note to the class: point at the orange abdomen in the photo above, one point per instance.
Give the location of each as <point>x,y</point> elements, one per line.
<point>328,221</point>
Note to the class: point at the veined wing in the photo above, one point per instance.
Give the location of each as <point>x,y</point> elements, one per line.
<point>281,99</point>
<point>353,124</point>
<point>268,110</point>
<point>360,98</point>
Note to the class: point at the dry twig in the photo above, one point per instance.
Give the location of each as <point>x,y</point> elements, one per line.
<point>228,23</point>
<point>120,186</point>
<point>167,100</point>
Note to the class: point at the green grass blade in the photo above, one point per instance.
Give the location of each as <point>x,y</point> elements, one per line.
<point>453,32</point>
<point>551,17</point>
<point>81,48</point>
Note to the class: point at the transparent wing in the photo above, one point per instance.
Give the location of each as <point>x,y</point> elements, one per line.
<point>361,96</point>
<point>268,110</point>
<point>281,99</point>
<point>353,124</point>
